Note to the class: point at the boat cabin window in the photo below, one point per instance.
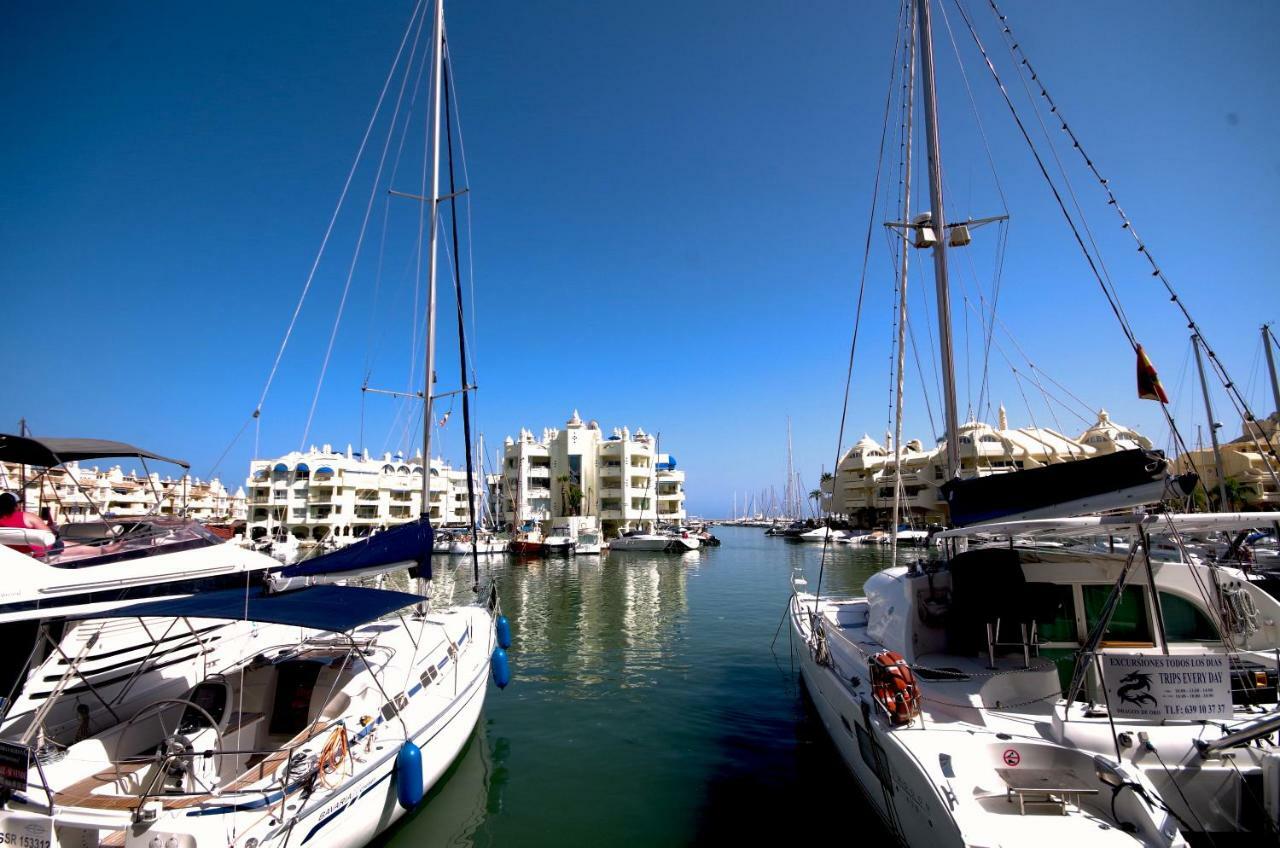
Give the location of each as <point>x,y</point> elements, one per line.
<point>1059,608</point>
<point>1185,622</point>
<point>1129,624</point>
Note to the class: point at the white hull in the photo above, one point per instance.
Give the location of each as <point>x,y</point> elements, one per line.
<point>34,589</point>
<point>937,786</point>
<point>439,716</point>
<point>640,543</point>
<point>483,547</point>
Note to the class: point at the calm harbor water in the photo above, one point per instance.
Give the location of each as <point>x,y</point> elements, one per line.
<point>647,706</point>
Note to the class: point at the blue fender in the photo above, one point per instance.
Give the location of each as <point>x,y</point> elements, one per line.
<point>409,789</point>
<point>502,628</point>
<point>500,667</point>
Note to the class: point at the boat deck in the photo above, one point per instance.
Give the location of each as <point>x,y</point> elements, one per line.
<point>86,793</point>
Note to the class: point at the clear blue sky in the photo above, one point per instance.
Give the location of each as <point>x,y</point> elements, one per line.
<point>669,208</point>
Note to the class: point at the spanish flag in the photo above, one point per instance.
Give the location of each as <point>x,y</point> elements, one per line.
<point>1149,387</point>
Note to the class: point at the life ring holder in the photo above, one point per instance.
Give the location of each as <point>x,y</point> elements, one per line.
<point>894,688</point>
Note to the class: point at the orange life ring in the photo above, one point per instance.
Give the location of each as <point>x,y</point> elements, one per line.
<point>893,685</point>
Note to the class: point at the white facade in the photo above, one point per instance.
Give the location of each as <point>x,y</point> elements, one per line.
<point>72,492</point>
<point>326,495</point>
<point>621,480</point>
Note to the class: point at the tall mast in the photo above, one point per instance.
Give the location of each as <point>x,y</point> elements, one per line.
<point>1196,342</point>
<point>902,297</point>
<point>1267,341</point>
<point>939,226</point>
<point>430,375</point>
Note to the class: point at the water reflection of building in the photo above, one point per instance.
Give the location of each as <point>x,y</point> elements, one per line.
<point>589,620</point>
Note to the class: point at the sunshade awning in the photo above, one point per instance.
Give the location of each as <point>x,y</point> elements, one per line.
<point>334,608</point>
<point>49,452</point>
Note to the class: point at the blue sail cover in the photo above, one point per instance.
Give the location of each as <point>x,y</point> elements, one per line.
<point>407,543</point>
<point>333,608</point>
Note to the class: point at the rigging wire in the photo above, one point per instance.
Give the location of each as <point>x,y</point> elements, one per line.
<point>899,42</point>
<point>342,196</point>
<point>364,224</point>
<point>1238,400</point>
<point>256,415</point>
<point>1108,293</point>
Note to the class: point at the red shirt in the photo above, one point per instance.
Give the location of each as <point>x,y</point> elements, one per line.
<point>18,519</point>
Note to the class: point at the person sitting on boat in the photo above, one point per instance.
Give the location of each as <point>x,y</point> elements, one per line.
<point>12,516</point>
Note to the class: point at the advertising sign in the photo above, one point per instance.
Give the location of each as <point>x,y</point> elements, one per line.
<point>1160,687</point>
<point>14,760</point>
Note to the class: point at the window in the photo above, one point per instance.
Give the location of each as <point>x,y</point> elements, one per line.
<point>1185,622</point>
<point>1056,609</point>
<point>1128,623</point>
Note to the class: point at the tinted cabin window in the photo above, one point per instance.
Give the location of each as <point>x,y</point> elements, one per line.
<point>1128,623</point>
<point>1184,622</point>
<point>1056,621</point>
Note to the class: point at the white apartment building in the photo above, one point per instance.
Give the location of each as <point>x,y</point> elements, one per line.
<point>621,479</point>
<point>328,495</point>
<point>72,493</point>
<point>862,488</point>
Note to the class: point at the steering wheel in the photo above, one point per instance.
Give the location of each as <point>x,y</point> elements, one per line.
<point>213,725</point>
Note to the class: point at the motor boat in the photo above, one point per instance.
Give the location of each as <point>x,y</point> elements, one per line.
<point>560,541</point>
<point>485,544</point>
<point>589,541</point>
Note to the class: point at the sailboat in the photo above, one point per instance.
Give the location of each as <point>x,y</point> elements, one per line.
<point>291,710</point>
<point>980,700</point>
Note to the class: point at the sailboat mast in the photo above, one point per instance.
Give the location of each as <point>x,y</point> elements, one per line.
<point>1267,341</point>
<point>902,296</point>
<point>939,226</point>
<point>430,373</point>
<point>1196,342</point>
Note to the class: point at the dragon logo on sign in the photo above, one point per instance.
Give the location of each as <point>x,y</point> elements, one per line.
<point>1135,688</point>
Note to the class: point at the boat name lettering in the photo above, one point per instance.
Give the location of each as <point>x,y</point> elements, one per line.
<point>341,803</point>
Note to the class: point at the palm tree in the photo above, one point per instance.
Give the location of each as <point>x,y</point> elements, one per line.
<point>816,497</point>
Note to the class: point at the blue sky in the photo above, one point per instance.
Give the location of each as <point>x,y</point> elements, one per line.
<point>669,207</point>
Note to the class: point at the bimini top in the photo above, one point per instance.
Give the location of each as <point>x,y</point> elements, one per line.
<point>337,609</point>
<point>49,452</point>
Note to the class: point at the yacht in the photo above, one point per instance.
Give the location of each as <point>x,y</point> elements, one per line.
<point>327,710</point>
<point>589,541</point>
<point>637,540</point>
<point>485,544</point>
<point>824,534</point>
<point>109,560</point>
<point>561,540</point>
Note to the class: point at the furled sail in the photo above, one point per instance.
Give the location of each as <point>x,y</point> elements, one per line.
<point>1124,479</point>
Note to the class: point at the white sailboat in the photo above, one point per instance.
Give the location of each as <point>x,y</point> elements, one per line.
<point>264,712</point>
